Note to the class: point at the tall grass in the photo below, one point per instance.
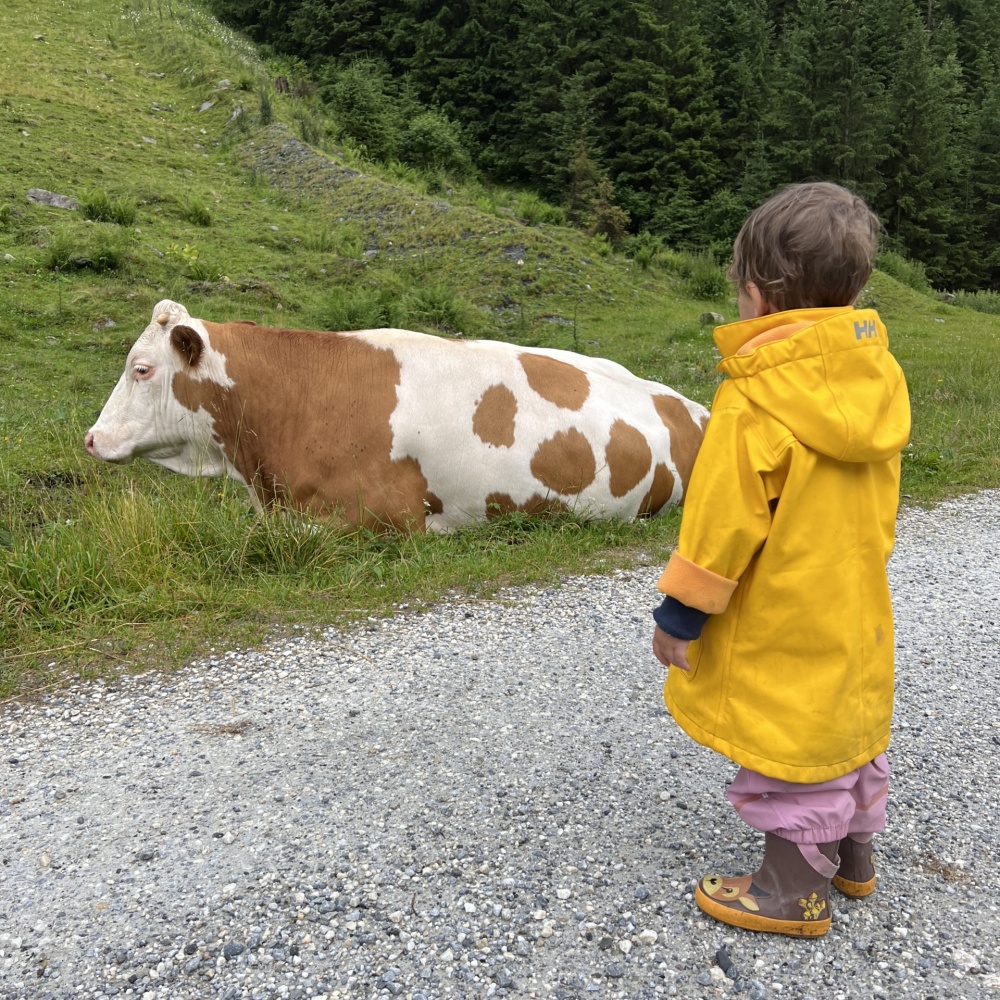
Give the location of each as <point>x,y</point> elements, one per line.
<point>135,561</point>
<point>439,307</point>
<point>99,206</point>
<point>703,277</point>
<point>195,211</point>
<point>982,301</point>
<point>345,240</point>
<point>102,248</point>
<point>530,208</point>
<point>360,308</point>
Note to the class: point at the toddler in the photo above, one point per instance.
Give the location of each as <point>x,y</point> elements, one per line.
<point>777,624</point>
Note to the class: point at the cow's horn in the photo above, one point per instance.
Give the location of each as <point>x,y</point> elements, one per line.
<point>163,319</point>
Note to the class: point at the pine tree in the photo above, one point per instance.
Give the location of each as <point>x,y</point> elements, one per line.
<point>741,42</point>
<point>978,201</point>
<point>550,107</point>
<point>608,219</point>
<point>583,179</point>
<point>665,126</point>
<point>917,205</point>
<point>829,114</point>
<point>338,29</point>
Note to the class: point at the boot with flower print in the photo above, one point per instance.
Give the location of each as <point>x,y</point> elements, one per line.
<point>856,875</point>
<point>787,895</point>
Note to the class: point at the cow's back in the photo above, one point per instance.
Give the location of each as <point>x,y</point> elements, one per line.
<point>498,427</point>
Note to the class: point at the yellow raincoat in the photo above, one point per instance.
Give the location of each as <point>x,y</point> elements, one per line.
<point>788,525</point>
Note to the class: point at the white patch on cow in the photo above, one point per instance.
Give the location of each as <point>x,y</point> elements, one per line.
<point>143,419</point>
<point>441,384</point>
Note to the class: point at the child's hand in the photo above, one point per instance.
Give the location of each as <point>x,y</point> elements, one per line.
<point>669,650</point>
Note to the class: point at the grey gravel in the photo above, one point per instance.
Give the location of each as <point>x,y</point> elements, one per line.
<point>484,799</point>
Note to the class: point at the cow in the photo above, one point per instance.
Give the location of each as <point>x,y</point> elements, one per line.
<point>391,428</point>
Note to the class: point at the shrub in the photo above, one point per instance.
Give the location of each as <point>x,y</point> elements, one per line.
<point>608,219</point>
<point>432,142</point>
<point>438,306</point>
<point>197,212</point>
<point>265,111</point>
<point>362,109</point>
<point>99,206</point>
<point>907,272</point>
<point>360,309</point>
<point>643,248</point>
<point>705,279</point>
<point>101,248</point>
<point>311,128</point>
<point>533,210</point>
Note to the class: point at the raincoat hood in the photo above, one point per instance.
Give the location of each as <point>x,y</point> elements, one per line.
<point>826,374</point>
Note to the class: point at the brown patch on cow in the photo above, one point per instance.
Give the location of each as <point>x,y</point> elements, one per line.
<point>499,504</point>
<point>554,380</point>
<point>493,421</point>
<point>565,462</point>
<point>659,492</point>
<point>433,504</point>
<point>327,454</point>
<point>197,394</point>
<point>629,457</point>
<point>685,434</point>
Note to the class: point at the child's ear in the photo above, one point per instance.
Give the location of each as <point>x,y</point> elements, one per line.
<point>760,305</point>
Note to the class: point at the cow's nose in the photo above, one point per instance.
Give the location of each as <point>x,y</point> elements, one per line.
<point>88,442</point>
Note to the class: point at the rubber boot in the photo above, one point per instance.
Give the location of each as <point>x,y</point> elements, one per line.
<point>787,895</point>
<point>856,875</point>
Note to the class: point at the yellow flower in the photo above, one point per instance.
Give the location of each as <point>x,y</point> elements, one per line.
<point>813,907</point>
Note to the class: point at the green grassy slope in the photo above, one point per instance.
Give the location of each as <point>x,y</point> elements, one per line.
<point>151,113</point>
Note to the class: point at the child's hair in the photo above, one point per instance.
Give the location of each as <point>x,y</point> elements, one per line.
<point>809,245</point>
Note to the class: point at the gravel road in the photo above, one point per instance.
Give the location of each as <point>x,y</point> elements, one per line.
<point>485,799</point>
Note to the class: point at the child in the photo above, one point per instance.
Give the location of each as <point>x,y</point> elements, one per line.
<point>777,624</point>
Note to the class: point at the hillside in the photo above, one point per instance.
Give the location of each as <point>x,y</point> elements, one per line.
<point>692,112</point>
<point>200,186</point>
<point>159,109</point>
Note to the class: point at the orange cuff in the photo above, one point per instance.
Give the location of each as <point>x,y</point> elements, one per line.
<point>695,586</point>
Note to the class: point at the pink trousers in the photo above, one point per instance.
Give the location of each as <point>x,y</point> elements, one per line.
<point>853,804</point>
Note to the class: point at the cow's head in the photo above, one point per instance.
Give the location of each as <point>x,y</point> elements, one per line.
<point>143,417</point>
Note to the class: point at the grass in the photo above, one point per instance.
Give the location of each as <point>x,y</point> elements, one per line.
<point>104,569</point>
<point>984,301</point>
<point>99,569</point>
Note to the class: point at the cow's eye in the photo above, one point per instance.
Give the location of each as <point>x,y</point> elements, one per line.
<point>141,371</point>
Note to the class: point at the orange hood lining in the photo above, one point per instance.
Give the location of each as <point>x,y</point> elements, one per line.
<point>770,336</point>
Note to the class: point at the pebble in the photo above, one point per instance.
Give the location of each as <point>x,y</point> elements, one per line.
<point>480,799</point>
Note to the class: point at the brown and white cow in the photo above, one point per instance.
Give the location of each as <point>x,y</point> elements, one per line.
<point>390,427</point>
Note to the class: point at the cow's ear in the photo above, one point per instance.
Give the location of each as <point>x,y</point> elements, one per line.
<point>188,343</point>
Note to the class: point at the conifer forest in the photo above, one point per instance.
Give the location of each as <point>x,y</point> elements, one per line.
<point>682,114</point>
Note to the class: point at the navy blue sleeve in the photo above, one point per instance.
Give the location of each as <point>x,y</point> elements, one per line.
<point>679,620</point>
